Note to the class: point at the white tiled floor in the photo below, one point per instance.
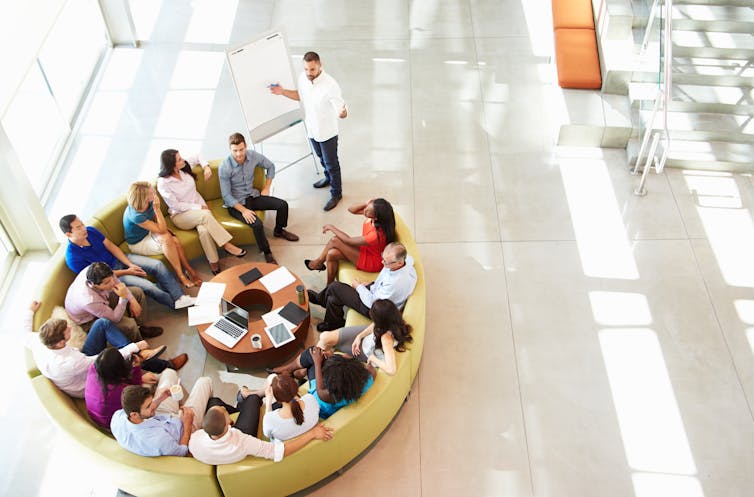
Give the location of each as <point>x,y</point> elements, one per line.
<point>580,341</point>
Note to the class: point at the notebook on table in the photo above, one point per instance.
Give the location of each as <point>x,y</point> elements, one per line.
<point>231,327</point>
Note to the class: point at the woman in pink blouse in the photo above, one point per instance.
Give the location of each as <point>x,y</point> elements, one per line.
<point>188,210</point>
<point>107,378</point>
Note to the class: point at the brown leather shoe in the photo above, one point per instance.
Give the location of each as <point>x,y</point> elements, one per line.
<point>270,258</point>
<point>178,361</point>
<point>150,331</point>
<point>287,235</point>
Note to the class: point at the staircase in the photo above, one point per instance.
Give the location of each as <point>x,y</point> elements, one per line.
<point>711,115</point>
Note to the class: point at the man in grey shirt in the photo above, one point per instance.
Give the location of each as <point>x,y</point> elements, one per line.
<point>236,176</point>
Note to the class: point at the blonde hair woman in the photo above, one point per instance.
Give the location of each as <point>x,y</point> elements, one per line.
<point>147,232</point>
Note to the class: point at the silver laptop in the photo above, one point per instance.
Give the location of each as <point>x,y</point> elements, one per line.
<point>231,327</point>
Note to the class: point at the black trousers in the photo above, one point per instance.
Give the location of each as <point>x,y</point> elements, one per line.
<point>334,297</point>
<point>264,203</point>
<point>248,417</point>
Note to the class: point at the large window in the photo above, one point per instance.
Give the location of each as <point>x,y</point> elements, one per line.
<point>7,254</point>
<point>40,115</point>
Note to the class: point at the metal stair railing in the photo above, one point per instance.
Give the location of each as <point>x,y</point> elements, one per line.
<point>652,136</point>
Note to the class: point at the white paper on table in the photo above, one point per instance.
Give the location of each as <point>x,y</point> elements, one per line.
<point>273,317</point>
<point>279,278</point>
<point>200,314</point>
<point>210,293</point>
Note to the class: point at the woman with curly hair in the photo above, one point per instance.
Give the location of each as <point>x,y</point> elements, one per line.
<point>334,380</point>
<point>375,344</point>
<point>364,251</point>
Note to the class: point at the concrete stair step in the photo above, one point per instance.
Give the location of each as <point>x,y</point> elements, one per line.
<point>713,52</point>
<point>715,25</point>
<point>723,3</point>
<point>713,39</point>
<point>703,155</point>
<point>736,13</point>
<point>713,80</point>
<point>696,94</point>
<point>704,126</point>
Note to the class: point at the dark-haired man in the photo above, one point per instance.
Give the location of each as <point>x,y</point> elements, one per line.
<point>98,293</point>
<point>323,105</point>
<point>236,175</point>
<point>66,366</point>
<point>87,245</point>
<point>157,425</point>
<point>396,282</point>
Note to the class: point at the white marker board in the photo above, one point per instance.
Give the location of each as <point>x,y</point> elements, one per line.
<point>253,67</point>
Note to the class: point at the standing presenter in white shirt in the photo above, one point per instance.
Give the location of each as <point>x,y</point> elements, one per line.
<point>323,105</point>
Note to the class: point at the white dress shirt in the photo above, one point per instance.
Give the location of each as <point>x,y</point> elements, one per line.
<point>322,104</point>
<point>67,367</point>
<point>180,195</point>
<point>232,447</point>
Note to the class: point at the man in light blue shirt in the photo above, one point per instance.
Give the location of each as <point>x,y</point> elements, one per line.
<point>236,175</point>
<point>138,428</point>
<point>396,282</point>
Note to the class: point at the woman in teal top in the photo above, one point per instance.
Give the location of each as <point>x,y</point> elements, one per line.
<point>147,232</point>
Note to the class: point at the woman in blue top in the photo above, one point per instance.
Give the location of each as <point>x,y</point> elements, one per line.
<point>147,232</point>
<point>335,380</point>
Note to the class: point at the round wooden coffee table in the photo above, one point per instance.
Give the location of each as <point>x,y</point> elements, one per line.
<point>255,298</point>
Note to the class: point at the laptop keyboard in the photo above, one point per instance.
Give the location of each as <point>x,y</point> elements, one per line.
<point>229,328</point>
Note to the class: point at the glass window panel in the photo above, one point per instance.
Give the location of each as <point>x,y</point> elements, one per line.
<point>71,52</point>
<point>35,128</point>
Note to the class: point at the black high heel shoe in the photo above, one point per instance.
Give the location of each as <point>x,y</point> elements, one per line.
<point>306,263</point>
<point>242,253</point>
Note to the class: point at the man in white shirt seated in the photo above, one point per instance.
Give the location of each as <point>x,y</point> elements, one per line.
<point>67,367</point>
<point>218,442</point>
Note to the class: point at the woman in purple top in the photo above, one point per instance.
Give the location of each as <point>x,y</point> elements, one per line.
<point>107,378</point>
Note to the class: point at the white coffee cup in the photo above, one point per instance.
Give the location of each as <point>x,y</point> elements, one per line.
<point>176,391</point>
<point>256,341</point>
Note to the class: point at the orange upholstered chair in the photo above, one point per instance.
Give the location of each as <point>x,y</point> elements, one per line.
<point>572,14</point>
<point>577,58</point>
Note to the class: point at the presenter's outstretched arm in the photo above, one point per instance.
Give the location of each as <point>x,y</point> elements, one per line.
<point>279,90</point>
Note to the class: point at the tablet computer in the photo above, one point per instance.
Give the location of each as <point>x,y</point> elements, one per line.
<point>279,334</point>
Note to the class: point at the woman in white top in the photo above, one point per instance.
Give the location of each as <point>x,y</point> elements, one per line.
<point>375,344</point>
<point>188,210</point>
<point>294,417</point>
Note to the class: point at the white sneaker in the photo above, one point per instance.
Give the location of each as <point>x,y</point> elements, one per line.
<point>185,301</point>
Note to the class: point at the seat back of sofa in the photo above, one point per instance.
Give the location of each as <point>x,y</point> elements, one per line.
<point>142,476</point>
<point>356,428</point>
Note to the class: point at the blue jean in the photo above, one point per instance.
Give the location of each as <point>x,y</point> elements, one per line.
<point>327,151</point>
<point>166,291</point>
<point>104,331</point>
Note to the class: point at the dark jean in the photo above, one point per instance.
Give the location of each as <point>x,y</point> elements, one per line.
<point>104,331</point>
<point>166,291</point>
<point>327,151</point>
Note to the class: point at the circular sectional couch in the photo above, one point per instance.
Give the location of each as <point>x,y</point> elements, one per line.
<point>356,426</point>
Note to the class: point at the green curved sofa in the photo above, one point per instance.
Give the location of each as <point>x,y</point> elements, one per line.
<point>356,426</point>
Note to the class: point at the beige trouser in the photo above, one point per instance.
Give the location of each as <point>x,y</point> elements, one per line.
<point>211,232</point>
<point>197,399</point>
<point>127,324</point>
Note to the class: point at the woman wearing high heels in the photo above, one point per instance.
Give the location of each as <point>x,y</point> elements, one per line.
<point>148,234</point>
<point>364,251</point>
<point>188,210</point>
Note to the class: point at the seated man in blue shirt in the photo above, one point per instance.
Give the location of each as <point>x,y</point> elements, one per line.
<point>236,175</point>
<point>396,282</point>
<point>155,425</point>
<point>87,245</point>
